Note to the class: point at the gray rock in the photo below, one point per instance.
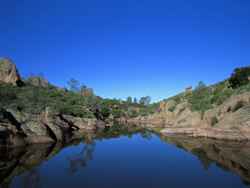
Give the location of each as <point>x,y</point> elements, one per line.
<point>38,81</point>
<point>9,72</point>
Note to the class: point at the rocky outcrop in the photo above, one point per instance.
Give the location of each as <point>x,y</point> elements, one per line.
<point>78,123</point>
<point>8,72</point>
<point>17,129</point>
<point>230,120</point>
<point>38,81</point>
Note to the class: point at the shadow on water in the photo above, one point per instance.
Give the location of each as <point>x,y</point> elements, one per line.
<point>26,161</point>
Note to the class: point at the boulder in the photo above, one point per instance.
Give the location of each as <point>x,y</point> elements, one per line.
<point>38,81</point>
<point>53,124</point>
<point>233,104</point>
<point>167,106</point>
<point>8,72</point>
<point>80,123</point>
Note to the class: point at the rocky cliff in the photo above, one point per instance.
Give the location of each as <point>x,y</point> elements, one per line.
<point>9,72</point>
<point>230,120</point>
<point>18,129</point>
<point>29,111</point>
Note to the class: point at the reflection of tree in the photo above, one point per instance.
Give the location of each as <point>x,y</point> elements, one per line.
<point>31,179</point>
<point>146,135</point>
<point>81,159</point>
<point>202,156</point>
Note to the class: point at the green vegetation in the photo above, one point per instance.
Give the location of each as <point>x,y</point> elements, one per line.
<point>31,99</point>
<point>241,76</point>
<point>78,100</point>
<point>36,94</point>
<point>204,97</point>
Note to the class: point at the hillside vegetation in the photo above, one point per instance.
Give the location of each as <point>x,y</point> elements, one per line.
<point>34,99</point>
<point>203,97</point>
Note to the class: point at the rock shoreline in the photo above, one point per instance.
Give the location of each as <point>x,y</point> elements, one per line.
<point>214,133</point>
<point>26,129</point>
<point>228,121</point>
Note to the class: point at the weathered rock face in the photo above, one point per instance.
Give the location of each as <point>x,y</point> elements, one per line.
<point>167,106</point>
<point>18,129</point>
<point>9,72</point>
<point>38,81</point>
<point>231,120</point>
<point>80,123</point>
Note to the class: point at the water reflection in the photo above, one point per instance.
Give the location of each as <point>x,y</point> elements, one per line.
<point>81,159</point>
<point>17,161</point>
<point>228,155</point>
<point>32,179</point>
<point>26,162</point>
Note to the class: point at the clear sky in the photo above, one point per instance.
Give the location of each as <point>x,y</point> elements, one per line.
<point>127,47</point>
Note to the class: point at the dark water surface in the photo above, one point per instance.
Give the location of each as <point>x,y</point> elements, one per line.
<point>137,161</point>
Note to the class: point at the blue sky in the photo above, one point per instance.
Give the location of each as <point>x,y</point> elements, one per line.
<point>129,47</point>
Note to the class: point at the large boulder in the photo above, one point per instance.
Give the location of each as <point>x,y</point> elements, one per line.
<point>10,130</point>
<point>38,81</point>
<point>234,103</point>
<point>54,125</point>
<point>166,106</point>
<point>80,123</point>
<point>9,72</point>
<point>36,131</point>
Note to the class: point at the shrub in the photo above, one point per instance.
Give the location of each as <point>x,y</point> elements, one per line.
<point>201,98</point>
<point>214,121</point>
<point>240,77</point>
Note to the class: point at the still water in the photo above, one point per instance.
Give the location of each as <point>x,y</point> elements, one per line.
<point>139,160</point>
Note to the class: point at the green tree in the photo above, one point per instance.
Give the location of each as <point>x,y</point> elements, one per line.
<point>240,77</point>
<point>145,101</point>
<point>201,85</point>
<point>129,100</point>
<point>135,100</point>
<point>74,85</point>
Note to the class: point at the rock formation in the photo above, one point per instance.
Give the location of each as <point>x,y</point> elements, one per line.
<point>230,120</point>
<point>9,72</point>
<point>38,81</point>
<point>23,129</point>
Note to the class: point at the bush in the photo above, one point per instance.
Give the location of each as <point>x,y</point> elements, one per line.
<point>239,77</point>
<point>214,121</point>
<point>201,98</point>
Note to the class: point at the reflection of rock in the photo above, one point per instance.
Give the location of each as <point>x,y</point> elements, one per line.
<point>25,161</point>
<point>233,156</point>
<point>32,179</point>
<point>16,161</point>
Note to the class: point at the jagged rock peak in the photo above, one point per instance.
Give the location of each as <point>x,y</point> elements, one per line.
<point>9,72</point>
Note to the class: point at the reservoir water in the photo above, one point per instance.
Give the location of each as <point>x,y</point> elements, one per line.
<point>142,160</point>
